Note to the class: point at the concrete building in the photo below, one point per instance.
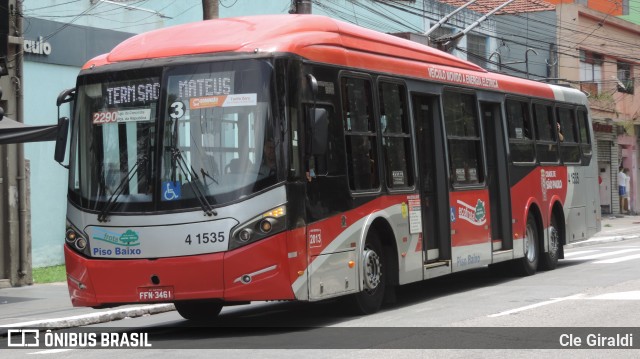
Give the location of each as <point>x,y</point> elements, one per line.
<point>522,37</point>
<point>590,45</point>
<point>599,53</point>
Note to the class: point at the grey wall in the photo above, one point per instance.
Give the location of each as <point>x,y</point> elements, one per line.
<point>72,46</point>
<point>517,33</point>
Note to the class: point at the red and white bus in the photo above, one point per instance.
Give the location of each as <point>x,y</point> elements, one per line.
<point>297,157</point>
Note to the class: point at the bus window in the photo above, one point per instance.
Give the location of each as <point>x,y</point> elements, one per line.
<point>583,123</point>
<point>520,132</point>
<point>569,148</point>
<point>463,138</point>
<point>360,134</point>
<point>114,155</point>
<point>547,146</point>
<point>396,138</point>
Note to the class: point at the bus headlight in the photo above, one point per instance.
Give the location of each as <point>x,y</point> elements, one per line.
<point>266,224</point>
<point>76,240</point>
<point>245,235</point>
<point>70,236</point>
<point>81,243</point>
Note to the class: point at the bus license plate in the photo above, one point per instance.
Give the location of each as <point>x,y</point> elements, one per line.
<point>151,294</point>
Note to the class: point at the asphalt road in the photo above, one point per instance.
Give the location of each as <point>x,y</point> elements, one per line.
<point>594,291</point>
<point>585,290</point>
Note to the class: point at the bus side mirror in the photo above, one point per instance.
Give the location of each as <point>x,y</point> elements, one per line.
<point>61,140</point>
<point>319,122</point>
<point>65,96</point>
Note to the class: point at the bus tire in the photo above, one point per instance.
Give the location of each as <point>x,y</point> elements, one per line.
<point>199,310</point>
<point>549,260</point>
<point>369,300</point>
<point>528,264</point>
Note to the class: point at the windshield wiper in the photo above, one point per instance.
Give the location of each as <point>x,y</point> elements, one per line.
<point>202,198</point>
<point>102,217</point>
<point>206,174</point>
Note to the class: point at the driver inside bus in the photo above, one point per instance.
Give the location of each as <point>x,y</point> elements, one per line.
<point>268,164</point>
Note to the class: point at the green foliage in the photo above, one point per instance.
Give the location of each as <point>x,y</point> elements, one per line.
<point>50,274</point>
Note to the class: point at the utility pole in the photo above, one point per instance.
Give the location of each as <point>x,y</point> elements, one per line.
<point>300,7</point>
<point>210,9</point>
<point>15,227</point>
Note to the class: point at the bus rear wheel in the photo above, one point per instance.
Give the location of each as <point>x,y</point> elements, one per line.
<point>199,310</point>
<point>549,260</point>
<point>369,300</point>
<point>528,264</point>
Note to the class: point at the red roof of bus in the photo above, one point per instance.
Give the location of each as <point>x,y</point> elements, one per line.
<point>317,38</point>
<point>282,33</point>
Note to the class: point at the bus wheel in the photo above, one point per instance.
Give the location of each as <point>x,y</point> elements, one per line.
<point>199,310</point>
<point>369,300</point>
<point>549,260</point>
<point>529,263</point>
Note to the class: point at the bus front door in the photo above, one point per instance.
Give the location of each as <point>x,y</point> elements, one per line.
<point>432,172</point>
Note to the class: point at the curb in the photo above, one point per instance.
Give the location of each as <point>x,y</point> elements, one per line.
<point>600,240</point>
<point>95,318</point>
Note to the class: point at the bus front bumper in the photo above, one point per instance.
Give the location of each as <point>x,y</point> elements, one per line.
<point>259,271</point>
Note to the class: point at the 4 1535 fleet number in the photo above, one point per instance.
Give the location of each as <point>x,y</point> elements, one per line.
<point>204,238</point>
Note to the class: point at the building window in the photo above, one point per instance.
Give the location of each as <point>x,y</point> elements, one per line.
<point>360,134</point>
<point>477,49</point>
<point>463,138</point>
<point>625,81</point>
<point>396,136</point>
<point>591,72</point>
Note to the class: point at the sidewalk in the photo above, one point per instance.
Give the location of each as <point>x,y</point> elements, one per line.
<point>49,306</point>
<point>614,228</point>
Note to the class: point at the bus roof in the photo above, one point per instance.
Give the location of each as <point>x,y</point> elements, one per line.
<point>301,34</point>
<point>322,39</point>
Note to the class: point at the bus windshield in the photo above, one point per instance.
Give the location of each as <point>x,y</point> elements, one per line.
<point>218,134</point>
<point>214,134</point>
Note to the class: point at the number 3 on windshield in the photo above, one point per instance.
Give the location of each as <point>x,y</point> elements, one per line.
<point>176,110</point>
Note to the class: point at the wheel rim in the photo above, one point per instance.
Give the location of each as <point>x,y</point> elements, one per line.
<point>554,240</point>
<point>372,270</point>
<point>529,244</point>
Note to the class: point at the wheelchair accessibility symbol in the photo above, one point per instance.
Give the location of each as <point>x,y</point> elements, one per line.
<point>170,191</point>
